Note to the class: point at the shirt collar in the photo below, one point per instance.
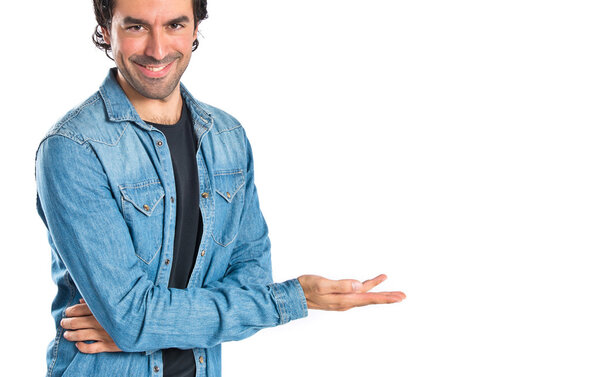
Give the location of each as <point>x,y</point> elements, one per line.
<point>119,108</point>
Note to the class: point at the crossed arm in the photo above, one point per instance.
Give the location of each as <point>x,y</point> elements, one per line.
<point>321,293</point>
<point>90,235</point>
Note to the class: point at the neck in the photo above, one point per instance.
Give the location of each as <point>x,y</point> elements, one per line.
<point>162,111</point>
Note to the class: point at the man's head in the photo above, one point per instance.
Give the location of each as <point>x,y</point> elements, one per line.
<point>151,41</point>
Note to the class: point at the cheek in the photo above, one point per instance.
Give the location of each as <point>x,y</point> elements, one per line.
<point>130,46</point>
<point>184,43</point>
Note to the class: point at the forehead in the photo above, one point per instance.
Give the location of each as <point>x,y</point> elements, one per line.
<point>153,10</point>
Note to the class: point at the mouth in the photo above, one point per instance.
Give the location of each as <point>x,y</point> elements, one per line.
<point>154,71</point>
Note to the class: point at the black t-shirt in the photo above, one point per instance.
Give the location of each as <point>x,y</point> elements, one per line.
<point>182,143</point>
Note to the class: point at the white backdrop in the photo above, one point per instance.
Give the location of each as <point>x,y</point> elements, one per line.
<point>452,145</point>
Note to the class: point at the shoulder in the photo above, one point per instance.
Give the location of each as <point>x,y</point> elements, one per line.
<point>88,122</point>
<point>222,121</point>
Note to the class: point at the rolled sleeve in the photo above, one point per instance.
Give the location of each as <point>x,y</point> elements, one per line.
<point>290,300</point>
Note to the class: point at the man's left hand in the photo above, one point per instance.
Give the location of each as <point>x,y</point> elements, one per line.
<point>81,325</point>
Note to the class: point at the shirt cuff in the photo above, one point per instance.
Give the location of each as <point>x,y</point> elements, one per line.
<point>290,300</point>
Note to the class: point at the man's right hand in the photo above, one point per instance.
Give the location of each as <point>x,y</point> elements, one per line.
<point>341,295</point>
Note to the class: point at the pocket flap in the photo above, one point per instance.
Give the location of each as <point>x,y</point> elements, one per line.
<point>144,196</point>
<point>228,183</point>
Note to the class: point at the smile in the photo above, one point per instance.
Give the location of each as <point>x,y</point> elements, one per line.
<point>154,71</point>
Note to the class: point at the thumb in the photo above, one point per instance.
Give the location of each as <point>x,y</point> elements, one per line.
<point>344,286</point>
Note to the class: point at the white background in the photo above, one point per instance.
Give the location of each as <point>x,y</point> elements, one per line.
<point>453,145</point>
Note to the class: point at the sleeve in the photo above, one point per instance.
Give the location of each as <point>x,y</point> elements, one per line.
<point>250,264</point>
<point>92,239</point>
<point>250,261</point>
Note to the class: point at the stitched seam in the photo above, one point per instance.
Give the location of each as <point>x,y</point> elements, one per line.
<point>195,103</point>
<point>87,103</point>
<point>278,302</point>
<point>229,200</point>
<point>59,336</point>
<point>55,351</point>
<point>228,172</point>
<point>106,101</point>
<point>237,189</point>
<point>123,199</point>
<point>224,245</point>
<point>153,256</point>
<point>67,133</point>
<point>139,185</point>
<point>228,129</point>
<point>105,143</point>
<point>147,213</point>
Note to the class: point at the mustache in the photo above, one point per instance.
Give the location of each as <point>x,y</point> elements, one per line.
<point>149,60</point>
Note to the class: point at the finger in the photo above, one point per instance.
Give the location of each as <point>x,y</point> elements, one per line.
<point>327,286</point>
<point>352,300</point>
<point>81,301</point>
<point>97,347</point>
<point>85,334</point>
<point>77,323</point>
<point>374,298</point>
<point>372,283</point>
<point>78,310</point>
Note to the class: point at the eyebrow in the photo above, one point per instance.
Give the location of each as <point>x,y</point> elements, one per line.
<point>137,21</point>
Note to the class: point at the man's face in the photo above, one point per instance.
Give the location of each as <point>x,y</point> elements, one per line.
<point>151,42</point>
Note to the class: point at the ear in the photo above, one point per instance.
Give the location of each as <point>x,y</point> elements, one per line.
<point>196,30</point>
<point>105,35</point>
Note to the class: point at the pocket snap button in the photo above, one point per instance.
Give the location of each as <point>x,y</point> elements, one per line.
<point>146,207</point>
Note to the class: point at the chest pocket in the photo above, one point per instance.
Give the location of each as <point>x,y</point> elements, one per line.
<point>143,210</point>
<point>229,202</point>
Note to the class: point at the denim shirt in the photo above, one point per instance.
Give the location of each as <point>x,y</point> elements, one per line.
<point>106,193</point>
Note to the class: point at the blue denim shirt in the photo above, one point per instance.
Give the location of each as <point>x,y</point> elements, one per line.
<point>106,193</point>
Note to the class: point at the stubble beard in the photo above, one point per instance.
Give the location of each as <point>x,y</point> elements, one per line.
<point>153,88</point>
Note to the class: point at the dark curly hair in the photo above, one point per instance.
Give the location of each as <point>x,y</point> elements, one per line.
<point>104,12</point>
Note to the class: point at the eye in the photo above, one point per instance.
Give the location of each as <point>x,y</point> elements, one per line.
<point>176,26</point>
<point>134,28</point>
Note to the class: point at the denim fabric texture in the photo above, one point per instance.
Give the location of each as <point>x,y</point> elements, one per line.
<point>106,193</point>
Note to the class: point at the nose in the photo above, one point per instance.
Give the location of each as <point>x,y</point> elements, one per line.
<point>157,45</point>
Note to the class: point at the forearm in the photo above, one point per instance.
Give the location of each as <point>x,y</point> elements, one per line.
<point>204,317</point>
<point>92,239</point>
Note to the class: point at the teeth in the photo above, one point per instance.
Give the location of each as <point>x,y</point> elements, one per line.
<point>155,69</point>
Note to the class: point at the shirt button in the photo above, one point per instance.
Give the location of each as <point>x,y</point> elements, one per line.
<point>202,253</point>
<point>156,369</point>
<point>146,207</point>
<point>167,261</point>
<point>201,360</point>
<point>205,195</point>
<point>159,143</point>
<point>172,199</point>
<point>228,196</point>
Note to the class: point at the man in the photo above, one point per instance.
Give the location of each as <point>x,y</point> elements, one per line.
<point>153,216</point>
